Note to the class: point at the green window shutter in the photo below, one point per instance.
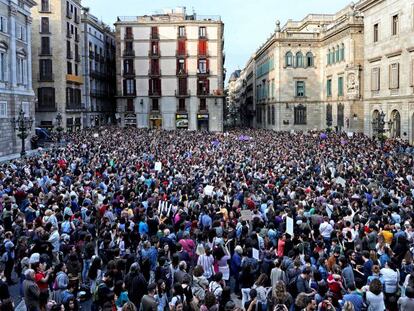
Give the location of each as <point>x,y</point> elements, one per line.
<point>340,86</point>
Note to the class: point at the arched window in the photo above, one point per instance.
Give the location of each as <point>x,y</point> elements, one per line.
<point>395,128</point>
<point>3,61</point>
<point>329,115</point>
<point>299,59</point>
<point>337,54</point>
<point>340,120</point>
<point>309,59</point>
<point>289,59</point>
<point>375,122</point>
<point>342,52</point>
<point>328,57</point>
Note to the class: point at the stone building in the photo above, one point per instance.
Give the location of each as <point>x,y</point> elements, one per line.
<point>16,90</point>
<point>170,71</point>
<point>308,74</point>
<point>57,68</point>
<point>389,66</point>
<point>98,67</point>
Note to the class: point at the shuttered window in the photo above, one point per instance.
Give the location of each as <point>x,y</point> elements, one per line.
<point>394,76</point>
<point>375,79</point>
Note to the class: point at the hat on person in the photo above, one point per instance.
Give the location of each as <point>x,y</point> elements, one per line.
<point>238,249</point>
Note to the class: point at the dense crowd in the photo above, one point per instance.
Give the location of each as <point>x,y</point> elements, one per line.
<point>129,219</point>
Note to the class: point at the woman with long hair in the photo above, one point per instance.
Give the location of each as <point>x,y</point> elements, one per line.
<point>375,297</point>
<point>279,296</point>
<point>95,273</point>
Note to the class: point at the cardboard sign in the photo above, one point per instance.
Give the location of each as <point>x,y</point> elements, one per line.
<point>158,166</point>
<point>246,215</point>
<point>96,135</point>
<point>289,226</point>
<point>255,253</point>
<point>341,181</point>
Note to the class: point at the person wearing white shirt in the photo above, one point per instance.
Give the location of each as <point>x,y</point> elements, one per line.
<point>325,229</point>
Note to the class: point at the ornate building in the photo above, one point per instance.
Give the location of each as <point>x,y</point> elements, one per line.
<point>308,74</point>
<point>16,90</point>
<point>389,66</point>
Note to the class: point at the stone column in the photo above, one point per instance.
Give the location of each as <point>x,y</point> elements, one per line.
<point>29,21</point>
<point>13,60</point>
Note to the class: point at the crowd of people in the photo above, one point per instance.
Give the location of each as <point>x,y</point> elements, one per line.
<point>136,219</point>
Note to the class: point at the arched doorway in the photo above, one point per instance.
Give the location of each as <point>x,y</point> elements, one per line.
<point>340,120</point>
<point>395,127</point>
<point>375,119</point>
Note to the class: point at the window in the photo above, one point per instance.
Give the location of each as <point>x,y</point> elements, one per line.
<point>44,26</point>
<point>342,52</point>
<point>340,86</point>
<point>376,26</point>
<point>154,48</point>
<point>273,88</point>
<point>289,59</point>
<point>45,69</point>
<point>394,76</point>
<point>395,22</point>
<point>181,104</point>
<point>128,66</point>
<point>21,71</point>
<point>3,109</point>
<point>375,79</point>
<point>130,105</point>
<point>329,87</point>
<point>181,31</point>
<point>269,116</point>
<point>329,115</point>
<point>203,104</point>
<point>45,6</point>
<point>300,88</point>
<point>337,56</point>
<point>309,59</point>
<point>202,32</point>
<point>340,115</point>
<point>273,115</point>
<point>299,59</point>
<point>20,32</point>
<point>3,65</point>
<point>69,68</point>
<point>26,109</point>
<point>3,24</point>
<point>202,66</point>
<point>300,115</point>
<point>332,56</point>
<point>45,46</point>
<point>129,87</point>
<point>328,57</point>
<point>155,105</point>
<point>46,96</point>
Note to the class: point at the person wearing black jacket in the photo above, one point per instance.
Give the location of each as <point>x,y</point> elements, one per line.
<point>136,284</point>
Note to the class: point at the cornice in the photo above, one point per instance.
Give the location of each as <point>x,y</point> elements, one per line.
<point>374,59</point>
<point>394,54</point>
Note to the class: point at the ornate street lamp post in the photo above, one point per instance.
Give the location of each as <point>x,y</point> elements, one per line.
<point>379,126</point>
<point>59,127</point>
<point>23,125</point>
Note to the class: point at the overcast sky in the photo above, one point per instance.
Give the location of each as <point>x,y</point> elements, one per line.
<point>247,23</point>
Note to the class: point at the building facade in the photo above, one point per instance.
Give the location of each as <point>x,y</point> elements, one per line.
<point>308,74</point>
<point>56,63</point>
<point>170,71</point>
<point>98,67</point>
<point>16,90</point>
<point>389,63</point>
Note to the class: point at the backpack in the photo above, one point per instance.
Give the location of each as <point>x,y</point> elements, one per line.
<point>95,295</point>
<point>291,287</point>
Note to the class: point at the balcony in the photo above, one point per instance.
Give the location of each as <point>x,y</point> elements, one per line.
<point>203,92</point>
<point>45,51</point>
<point>154,73</point>
<point>132,94</point>
<point>46,77</point>
<point>128,73</point>
<point>181,54</point>
<point>155,36</point>
<point>69,54</point>
<point>202,54</point>
<point>97,74</point>
<point>128,53</point>
<point>98,94</point>
<point>74,79</point>
<point>46,107</point>
<point>152,54</point>
<point>129,36</point>
<point>69,14</point>
<point>182,93</point>
<point>77,37</point>
<point>181,73</point>
<point>75,107</point>
<point>182,35</point>
<point>68,34</point>
<point>203,73</point>
<point>77,19</point>
<point>154,93</point>
<point>77,58</point>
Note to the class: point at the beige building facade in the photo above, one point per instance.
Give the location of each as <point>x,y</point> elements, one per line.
<point>56,63</point>
<point>308,74</point>
<point>170,71</point>
<point>389,66</point>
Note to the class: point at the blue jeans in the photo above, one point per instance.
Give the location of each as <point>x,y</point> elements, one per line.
<point>85,269</point>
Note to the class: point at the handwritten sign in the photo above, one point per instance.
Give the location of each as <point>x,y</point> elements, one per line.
<point>158,166</point>
<point>289,226</point>
<point>246,215</point>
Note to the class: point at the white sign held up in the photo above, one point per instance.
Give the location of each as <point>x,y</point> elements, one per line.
<point>289,226</point>
<point>158,166</point>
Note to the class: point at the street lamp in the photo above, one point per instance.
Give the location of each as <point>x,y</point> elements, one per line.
<point>23,125</point>
<point>379,126</point>
<point>59,127</point>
